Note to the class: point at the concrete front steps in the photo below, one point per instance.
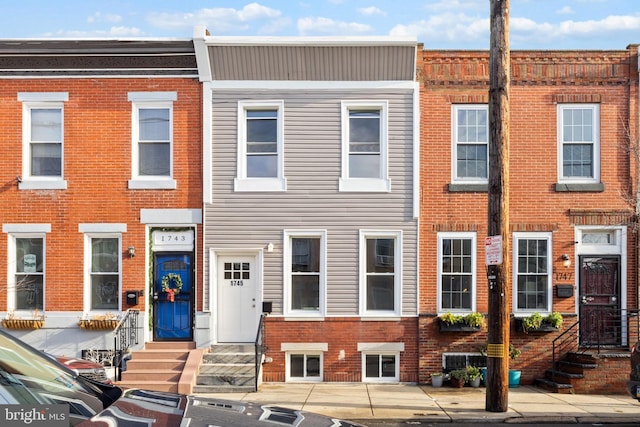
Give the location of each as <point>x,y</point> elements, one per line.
<point>163,366</point>
<point>227,368</point>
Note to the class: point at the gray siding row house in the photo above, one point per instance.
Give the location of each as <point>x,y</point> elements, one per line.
<point>310,178</point>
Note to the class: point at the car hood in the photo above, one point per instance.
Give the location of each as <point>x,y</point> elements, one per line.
<point>75,363</point>
<point>138,407</point>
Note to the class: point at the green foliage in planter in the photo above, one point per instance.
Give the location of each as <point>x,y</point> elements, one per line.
<point>554,319</point>
<point>532,322</point>
<point>460,374</point>
<point>474,319</point>
<point>473,373</point>
<point>437,374</point>
<point>451,319</point>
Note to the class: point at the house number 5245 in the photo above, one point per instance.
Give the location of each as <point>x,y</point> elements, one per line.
<point>236,283</point>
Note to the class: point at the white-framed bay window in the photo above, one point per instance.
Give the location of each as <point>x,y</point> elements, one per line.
<point>470,136</point>
<point>457,272</point>
<point>579,143</point>
<point>381,362</point>
<point>42,140</point>
<point>305,272</point>
<point>26,283</point>
<point>103,267</point>
<point>380,273</point>
<point>152,140</point>
<point>532,270</point>
<point>260,164</point>
<point>365,151</point>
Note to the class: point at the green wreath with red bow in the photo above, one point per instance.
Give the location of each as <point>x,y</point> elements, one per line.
<point>171,279</point>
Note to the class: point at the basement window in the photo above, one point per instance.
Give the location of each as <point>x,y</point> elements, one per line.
<point>452,361</point>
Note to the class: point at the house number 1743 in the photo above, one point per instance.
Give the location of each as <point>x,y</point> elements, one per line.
<point>236,283</point>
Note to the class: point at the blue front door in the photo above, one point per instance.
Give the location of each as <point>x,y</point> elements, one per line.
<point>172,308</point>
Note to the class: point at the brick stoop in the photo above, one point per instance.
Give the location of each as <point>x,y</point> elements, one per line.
<point>227,368</point>
<point>588,373</point>
<point>160,366</point>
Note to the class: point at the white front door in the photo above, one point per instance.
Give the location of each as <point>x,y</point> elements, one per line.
<point>237,300</point>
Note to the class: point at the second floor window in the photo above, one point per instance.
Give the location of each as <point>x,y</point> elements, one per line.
<point>456,272</point>
<point>470,143</point>
<point>260,146</point>
<point>579,142</point>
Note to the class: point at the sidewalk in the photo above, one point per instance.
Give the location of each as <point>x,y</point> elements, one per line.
<point>403,402</point>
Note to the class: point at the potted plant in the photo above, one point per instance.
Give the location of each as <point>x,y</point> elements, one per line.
<point>539,323</point>
<point>514,374</point>
<point>471,322</point>
<point>458,377</point>
<point>36,321</point>
<point>474,375</point>
<point>475,320</point>
<point>555,319</point>
<point>437,378</point>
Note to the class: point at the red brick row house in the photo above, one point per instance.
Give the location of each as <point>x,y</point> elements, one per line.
<point>102,187</point>
<point>572,200</point>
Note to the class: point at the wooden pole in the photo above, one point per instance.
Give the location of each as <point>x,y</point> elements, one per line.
<point>497,395</point>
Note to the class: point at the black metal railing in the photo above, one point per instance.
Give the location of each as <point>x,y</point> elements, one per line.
<point>260,347</point>
<point>124,336</point>
<point>603,328</point>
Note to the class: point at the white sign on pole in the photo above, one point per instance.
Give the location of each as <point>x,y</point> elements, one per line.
<point>493,250</point>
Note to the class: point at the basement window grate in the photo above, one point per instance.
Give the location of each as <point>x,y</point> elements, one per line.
<point>451,361</point>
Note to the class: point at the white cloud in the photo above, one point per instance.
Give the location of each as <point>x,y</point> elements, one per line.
<point>565,11</point>
<point>326,26</point>
<point>121,32</point>
<point>371,10</point>
<point>455,29</point>
<point>104,17</point>
<point>444,5</point>
<point>223,20</point>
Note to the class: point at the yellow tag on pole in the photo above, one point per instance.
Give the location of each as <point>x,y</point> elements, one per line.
<point>496,350</point>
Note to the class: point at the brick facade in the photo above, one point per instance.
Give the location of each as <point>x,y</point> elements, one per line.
<point>540,81</point>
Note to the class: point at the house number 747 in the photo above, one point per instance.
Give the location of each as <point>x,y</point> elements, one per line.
<point>564,276</point>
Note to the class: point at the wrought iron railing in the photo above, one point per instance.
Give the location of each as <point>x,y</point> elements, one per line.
<point>124,336</point>
<point>606,328</point>
<point>260,346</point>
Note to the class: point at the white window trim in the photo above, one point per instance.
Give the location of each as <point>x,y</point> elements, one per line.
<point>304,379</point>
<point>11,280</point>
<point>31,100</point>
<point>322,235</point>
<point>397,291</point>
<point>242,182</point>
<point>378,185</point>
<point>454,144</point>
<point>596,144</point>
<point>392,348</point>
<point>160,100</point>
<point>549,238</point>
<point>474,260</point>
<point>87,263</point>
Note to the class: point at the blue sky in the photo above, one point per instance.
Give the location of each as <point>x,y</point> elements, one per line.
<point>439,24</point>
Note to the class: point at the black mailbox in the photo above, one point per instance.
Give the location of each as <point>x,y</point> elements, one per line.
<point>267,306</point>
<point>564,291</point>
<point>132,297</point>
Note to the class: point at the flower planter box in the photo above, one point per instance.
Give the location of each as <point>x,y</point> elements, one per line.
<point>544,327</point>
<point>22,323</point>
<point>456,327</point>
<point>98,324</point>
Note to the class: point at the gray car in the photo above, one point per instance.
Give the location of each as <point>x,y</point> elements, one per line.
<point>39,385</point>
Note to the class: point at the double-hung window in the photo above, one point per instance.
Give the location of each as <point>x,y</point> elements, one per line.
<point>470,144</point>
<point>305,272</point>
<point>532,272</point>
<point>43,140</point>
<point>456,272</point>
<point>364,147</point>
<point>260,146</point>
<point>29,273</point>
<point>380,272</point>
<point>579,143</point>
<point>152,139</point>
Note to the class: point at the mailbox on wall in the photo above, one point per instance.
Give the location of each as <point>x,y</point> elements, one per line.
<point>132,297</point>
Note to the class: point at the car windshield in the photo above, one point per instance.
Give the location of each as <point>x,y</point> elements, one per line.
<point>27,376</point>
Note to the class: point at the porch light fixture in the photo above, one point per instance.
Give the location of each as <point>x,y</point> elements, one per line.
<point>566,262</point>
<point>270,247</point>
<point>132,251</point>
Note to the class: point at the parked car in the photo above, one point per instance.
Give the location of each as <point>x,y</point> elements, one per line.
<point>633,385</point>
<point>38,383</point>
<point>87,368</point>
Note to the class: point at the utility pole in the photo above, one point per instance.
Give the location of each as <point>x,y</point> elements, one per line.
<point>497,396</point>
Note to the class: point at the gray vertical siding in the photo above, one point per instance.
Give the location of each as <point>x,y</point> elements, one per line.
<point>312,156</point>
